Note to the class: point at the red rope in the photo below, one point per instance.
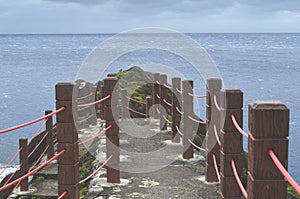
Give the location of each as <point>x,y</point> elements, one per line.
<point>196,96</point>
<point>83,106</point>
<point>157,96</point>
<point>167,86</point>
<point>132,99</point>
<point>284,172</point>
<point>136,111</point>
<point>238,180</point>
<point>167,103</point>
<point>96,171</point>
<point>11,161</point>
<point>179,91</point>
<point>10,177</point>
<point>216,167</point>
<point>178,130</point>
<point>41,156</point>
<point>95,136</point>
<point>13,190</point>
<point>198,121</point>
<point>196,146</point>
<point>238,127</point>
<point>33,171</point>
<point>39,130</point>
<point>40,142</point>
<point>216,103</point>
<point>86,96</point>
<point>166,119</point>
<point>63,195</point>
<point>32,122</point>
<point>157,109</point>
<point>217,136</point>
<point>180,112</point>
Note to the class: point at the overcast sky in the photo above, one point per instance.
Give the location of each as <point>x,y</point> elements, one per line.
<point>112,16</point>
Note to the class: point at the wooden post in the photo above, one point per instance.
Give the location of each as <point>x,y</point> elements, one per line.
<point>155,92</point>
<point>187,105</point>
<point>163,92</point>
<point>212,118</point>
<point>67,138</point>
<point>269,127</point>
<point>23,163</point>
<point>98,107</point>
<point>49,138</point>
<point>112,135</point>
<point>231,142</point>
<point>124,104</point>
<point>148,106</point>
<point>176,116</point>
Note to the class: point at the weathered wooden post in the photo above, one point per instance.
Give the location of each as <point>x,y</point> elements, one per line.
<point>67,138</point>
<point>148,106</point>
<point>163,92</point>
<point>176,106</point>
<point>187,105</point>
<point>124,104</point>
<point>112,135</point>
<point>231,142</point>
<point>49,138</point>
<point>269,127</point>
<point>155,93</point>
<point>214,86</point>
<point>23,163</point>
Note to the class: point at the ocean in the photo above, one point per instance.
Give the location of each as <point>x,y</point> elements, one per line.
<point>263,66</point>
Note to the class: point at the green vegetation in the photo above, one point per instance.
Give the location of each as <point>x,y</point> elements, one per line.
<point>40,178</point>
<point>291,191</point>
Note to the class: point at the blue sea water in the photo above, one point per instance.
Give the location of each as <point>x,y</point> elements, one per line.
<point>263,66</point>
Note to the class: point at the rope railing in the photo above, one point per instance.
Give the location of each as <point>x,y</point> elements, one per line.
<point>284,172</point>
<point>86,96</point>
<point>157,96</point>
<point>179,91</point>
<point>216,167</point>
<point>157,82</point>
<point>178,110</point>
<point>216,103</point>
<point>40,142</point>
<point>238,180</point>
<point>38,130</point>
<point>33,171</point>
<point>12,175</point>
<point>85,119</point>
<point>135,100</point>
<point>137,112</point>
<point>240,130</point>
<point>217,136</point>
<point>167,103</point>
<point>157,110</point>
<point>62,195</point>
<point>167,86</point>
<point>196,96</point>
<point>11,161</point>
<point>96,171</point>
<point>95,136</point>
<point>166,119</point>
<point>14,189</point>
<point>195,120</point>
<point>178,130</point>
<point>196,146</point>
<point>83,106</point>
<point>31,122</point>
<point>38,160</point>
